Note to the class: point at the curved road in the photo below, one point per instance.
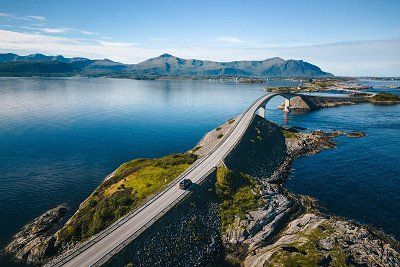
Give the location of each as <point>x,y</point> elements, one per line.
<point>101,249</point>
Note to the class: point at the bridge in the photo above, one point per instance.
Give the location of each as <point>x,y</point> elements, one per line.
<point>104,245</point>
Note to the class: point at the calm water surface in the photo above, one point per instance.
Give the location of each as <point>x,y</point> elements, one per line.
<point>60,137</point>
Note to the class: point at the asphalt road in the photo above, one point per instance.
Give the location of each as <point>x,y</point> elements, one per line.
<point>95,253</point>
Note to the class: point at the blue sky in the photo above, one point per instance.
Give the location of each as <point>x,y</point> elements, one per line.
<point>342,37</point>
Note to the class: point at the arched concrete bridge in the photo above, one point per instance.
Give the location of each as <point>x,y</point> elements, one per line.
<point>103,246</point>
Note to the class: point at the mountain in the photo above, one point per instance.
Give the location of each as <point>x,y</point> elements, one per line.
<point>273,67</point>
<point>35,68</point>
<point>41,65</point>
<point>164,65</point>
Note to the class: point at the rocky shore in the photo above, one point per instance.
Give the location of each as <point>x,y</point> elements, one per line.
<point>35,241</point>
<point>287,229</point>
<point>318,240</point>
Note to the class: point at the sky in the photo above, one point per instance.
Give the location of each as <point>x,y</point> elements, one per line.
<point>346,38</point>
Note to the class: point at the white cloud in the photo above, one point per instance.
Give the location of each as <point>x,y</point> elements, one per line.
<point>39,18</point>
<point>87,32</point>
<point>55,30</point>
<point>231,40</point>
<point>60,30</point>
<point>27,18</point>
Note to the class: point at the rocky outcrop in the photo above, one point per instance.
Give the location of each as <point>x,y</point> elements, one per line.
<point>356,134</point>
<point>318,240</point>
<point>287,230</point>
<point>35,241</point>
<point>260,226</point>
<point>302,144</point>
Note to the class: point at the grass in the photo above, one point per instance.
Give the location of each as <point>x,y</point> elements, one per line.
<point>196,148</point>
<point>289,133</point>
<point>128,188</point>
<point>323,84</point>
<point>219,136</point>
<point>218,128</point>
<point>305,252</point>
<point>235,195</point>
<point>385,97</point>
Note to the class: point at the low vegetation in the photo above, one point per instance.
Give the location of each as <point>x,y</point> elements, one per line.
<point>129,187</point>
<point>305,251</point>
<point>235,195</point>
<point>289,133</point>
<point>230,121</point>
<point>323,84</point>
<point>385,97</point>
<point>196,148</point>
<point>220,135</point>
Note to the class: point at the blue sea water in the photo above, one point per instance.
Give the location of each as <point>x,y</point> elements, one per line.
<point>59,138</point>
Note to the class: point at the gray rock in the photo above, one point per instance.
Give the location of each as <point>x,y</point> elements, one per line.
<point>327,244</point>
<point>35,242</point>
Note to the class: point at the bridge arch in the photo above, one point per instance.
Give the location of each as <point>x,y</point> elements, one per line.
<point>287,96</point>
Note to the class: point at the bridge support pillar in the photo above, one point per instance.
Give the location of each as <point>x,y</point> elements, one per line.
<point>286,109</point>
<point>261,112</point>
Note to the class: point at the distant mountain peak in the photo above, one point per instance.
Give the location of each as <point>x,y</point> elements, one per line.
<point>166,55</point>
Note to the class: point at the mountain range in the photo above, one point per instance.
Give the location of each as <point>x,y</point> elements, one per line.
<point>164,65</point>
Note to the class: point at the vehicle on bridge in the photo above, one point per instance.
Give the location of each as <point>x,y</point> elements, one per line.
<point>185,184</point>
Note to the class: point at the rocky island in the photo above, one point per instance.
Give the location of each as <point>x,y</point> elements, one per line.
<point>385,98</point>
<point>256,221</point>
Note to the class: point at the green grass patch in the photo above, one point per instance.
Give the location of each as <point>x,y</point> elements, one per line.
<point>130,186</point>
<point>305,252</point>
<point>289,133</point>
<point>235,195</point>
<point>385,97</point>
<point>196,148</point>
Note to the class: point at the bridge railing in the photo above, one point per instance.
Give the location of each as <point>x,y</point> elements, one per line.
<point>70,254</point>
